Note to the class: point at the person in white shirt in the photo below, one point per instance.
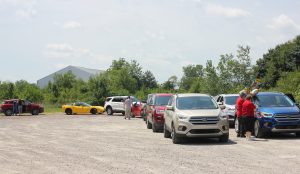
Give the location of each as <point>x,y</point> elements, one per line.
<point>127,106</point>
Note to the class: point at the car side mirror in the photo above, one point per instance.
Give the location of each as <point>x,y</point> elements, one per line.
<point>170,108</point>
<point>222,107</point>
<point>220,103</point>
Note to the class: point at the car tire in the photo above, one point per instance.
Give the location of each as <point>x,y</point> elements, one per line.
<point>123,113</point>
<point>236,125</point>
<point>109,111</point>
<point>35,112</point>
<point>224,138</point>
<point>68,111</point>
<point>149,125</point>
<point>297,134</point>
<point>154,127</point>
<point>167,134</point>
<point>258,132</point>
<point>175,138</point>
<point>8,112</point>
<point>94,111</point>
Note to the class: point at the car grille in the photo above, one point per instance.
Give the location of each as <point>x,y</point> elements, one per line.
<point>203,120</point>
<point>287,117</point>
<point>204,131</point>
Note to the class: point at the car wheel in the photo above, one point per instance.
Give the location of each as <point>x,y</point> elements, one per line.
<point>94,111</point>
<point>167,134</point>
<point>8,112</point>
<point>224,138</point>
<point>68,111</point>
<point>154,127</point>
<point>258,132</point>
<point>149,125</point>
<point>297,134</point>
<point>236,125</point>
<point>109,111</point>
<point>123,113</point>
<point>35,112</point>
<point>175,138</point>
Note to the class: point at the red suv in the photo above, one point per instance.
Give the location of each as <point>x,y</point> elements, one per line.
<point>28,107</point>
<point>155,111</point>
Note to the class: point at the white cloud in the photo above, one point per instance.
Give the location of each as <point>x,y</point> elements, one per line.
<point>225,11</point>
<point>64,50</point>
<point>282,22</point>
<point>26,13</point>
<point>71,25</point>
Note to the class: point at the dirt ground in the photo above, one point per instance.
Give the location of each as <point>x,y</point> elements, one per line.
<point>109,144</point>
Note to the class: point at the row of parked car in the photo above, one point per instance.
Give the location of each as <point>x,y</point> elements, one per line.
<point>199,115</point>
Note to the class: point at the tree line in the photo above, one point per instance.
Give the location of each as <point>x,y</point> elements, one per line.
<point>279,70</point>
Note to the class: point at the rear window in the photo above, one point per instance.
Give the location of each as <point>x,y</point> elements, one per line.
<point>108,99</point>
<point>117,100</point>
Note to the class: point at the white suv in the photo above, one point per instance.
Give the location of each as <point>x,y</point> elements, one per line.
<point>228,100</point>
<point>195,115</point>
<point>115,104</point>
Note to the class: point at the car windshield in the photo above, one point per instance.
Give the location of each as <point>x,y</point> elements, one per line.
<point>231,100</point>
<point>273,101</point>
<point>195,102</point>
<point>162,100</point>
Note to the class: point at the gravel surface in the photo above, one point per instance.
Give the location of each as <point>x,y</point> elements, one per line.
<point>109,144</point>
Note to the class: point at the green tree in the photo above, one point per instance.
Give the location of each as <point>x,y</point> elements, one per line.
<point>191,74</point>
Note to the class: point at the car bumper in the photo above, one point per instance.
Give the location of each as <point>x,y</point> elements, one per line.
<point>231,119</point>
<point>279,127</point>
<point>187,129</point>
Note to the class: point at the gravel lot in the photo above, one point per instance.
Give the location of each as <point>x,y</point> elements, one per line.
<point>109,144</point>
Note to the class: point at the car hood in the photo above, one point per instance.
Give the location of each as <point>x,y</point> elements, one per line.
<point>202,112</point>
<point>279,110</point>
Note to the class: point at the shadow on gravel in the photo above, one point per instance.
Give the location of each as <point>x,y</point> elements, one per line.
<point>283,136</point>
<point>207,141</point>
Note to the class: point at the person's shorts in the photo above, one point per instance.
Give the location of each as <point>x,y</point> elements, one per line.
<point>249,123</point>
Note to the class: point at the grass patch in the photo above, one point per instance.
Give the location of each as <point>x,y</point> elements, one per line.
<point>51,108</point>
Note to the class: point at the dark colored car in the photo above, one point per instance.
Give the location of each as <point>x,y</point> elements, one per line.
<point>28,107</point>
<point>155,109</point>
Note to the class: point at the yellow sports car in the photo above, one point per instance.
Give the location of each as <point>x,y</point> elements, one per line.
<point>81,108</point>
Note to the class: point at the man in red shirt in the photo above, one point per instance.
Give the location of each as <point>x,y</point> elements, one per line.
<point>238,106</point>
<point>248,109</point>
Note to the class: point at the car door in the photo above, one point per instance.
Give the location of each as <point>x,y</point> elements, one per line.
<point>168,114</point>
<point>77,107</point>
<point>85,108</point>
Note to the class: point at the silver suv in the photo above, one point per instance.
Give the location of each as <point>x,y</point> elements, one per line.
<point>195,115</point>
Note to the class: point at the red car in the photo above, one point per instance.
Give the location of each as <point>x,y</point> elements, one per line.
<point>28,107</point>
<point>155,111</point>
<point>136,109</point>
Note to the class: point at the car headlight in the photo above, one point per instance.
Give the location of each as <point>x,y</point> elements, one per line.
<point>266,115</point>
<point>159,111</point>
<point>182,117</point>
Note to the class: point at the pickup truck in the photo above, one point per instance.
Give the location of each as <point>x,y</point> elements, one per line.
<point>7,107</point>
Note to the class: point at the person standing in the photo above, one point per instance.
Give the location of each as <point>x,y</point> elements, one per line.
<point>248,112</point>
<point>238,106</point>
<point>127,106</point>
<point>20,107</point>
<point>15,107</point>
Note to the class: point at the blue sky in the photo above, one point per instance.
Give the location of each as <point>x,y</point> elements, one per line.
<point>40,37</point>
